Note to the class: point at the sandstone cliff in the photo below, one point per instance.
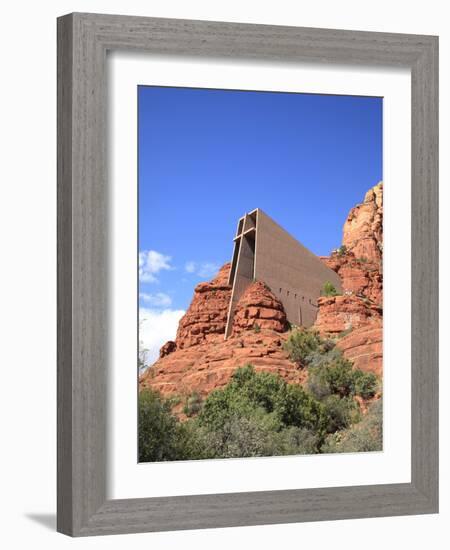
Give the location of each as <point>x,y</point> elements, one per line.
<point>207,314</point>
<point>363,228</point>
<point>201,360</point>
<point>259,309</point>
<point>358,262</point>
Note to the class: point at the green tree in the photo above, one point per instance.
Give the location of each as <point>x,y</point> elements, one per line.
<point>295,407</point>
<point>158,429</point>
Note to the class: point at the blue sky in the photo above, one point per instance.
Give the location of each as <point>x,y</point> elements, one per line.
<point>208,156</point>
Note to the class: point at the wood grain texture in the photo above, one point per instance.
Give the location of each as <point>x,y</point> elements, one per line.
<point>424,280</point>
<point>83,40</point>
<point>64,298</point>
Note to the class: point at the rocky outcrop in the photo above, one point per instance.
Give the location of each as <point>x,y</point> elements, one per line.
<point>258,309</point>
<point>359,276</point>
<point>364,347</point>
<point>257,337</point>
<point>358,312</point>
<point>201,359</point>
<point>358,324</point>
<point>206,317</point>
<point>209,365</point>
<point>167,348</point>
<point>363,228</point>
<point>338,314</point>
<point>358,262</point>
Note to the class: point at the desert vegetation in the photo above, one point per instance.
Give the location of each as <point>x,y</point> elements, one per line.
<point>329,289</point>
<point>260,414</point>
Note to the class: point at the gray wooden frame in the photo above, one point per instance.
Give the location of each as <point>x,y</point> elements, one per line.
<point>83,40</point>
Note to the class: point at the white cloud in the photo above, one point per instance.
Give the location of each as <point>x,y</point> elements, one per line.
<point>208,269</point>
<point>159,299</point>
<point>202,269</point>
<point>155,328</point>
<point>190,267</point>
<point>151,263</point>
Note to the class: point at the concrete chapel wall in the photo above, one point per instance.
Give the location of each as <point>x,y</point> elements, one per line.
<point>265,252</point>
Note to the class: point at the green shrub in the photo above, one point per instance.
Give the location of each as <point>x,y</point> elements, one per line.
<point>319,358</point>
<point>300,344</point>
<point>256,328</point>
<point>365,383</point>
<point>193,441</point>
<point>295,407</point>
<point>255,436</point>
<point>193,404</point>
<point>336,375</point>
<point>243,436</point>
<point>173,400</point>
<point>365,436</point>
<point>158,429</point>
<point>298,441</point>
<point>339,412</point>
<point>259,414</point>
<point>250,394</point>
<point>240,397</point>
<point>329,289</point>
<point>342,250</point>
<point>326,346</point>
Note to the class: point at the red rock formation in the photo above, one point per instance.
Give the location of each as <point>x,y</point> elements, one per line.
<point>363,228</point>
<point>209,365</point>
<point>340,313</point>
<point>364,347</point>
<point>359,277</point>
<point>362,319</point>
<point>206,317</point>
<point>167,348</point>
<point>358,261</point>
<point>359,264</point>
<point>258,308</point>
<point>257,337</point>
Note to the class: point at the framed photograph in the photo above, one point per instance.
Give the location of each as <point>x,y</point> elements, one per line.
<point>247,274</point>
